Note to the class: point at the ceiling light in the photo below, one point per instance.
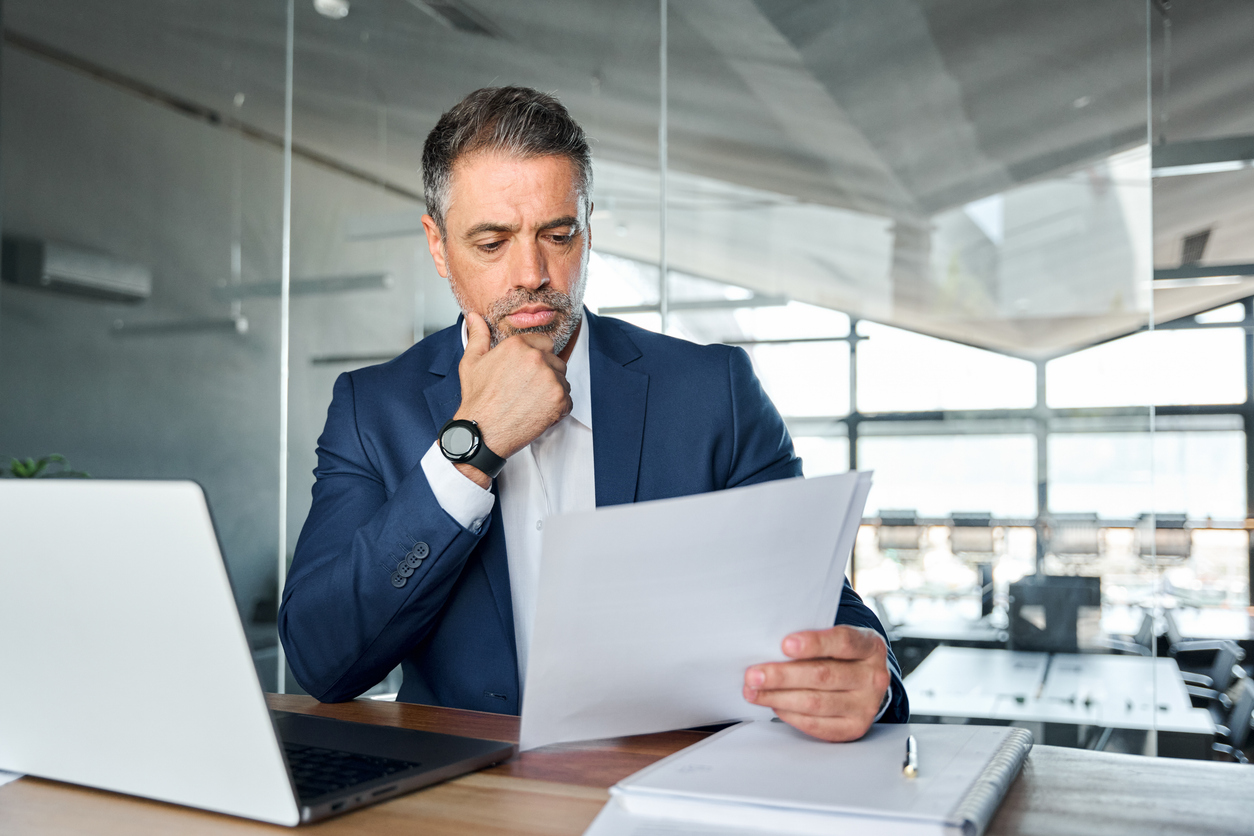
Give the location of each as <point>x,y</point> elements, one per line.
<point>334,9</point>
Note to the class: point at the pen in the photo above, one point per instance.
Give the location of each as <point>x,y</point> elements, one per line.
<point>911,766</point>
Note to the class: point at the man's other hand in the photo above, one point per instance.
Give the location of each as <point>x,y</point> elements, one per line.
<point>514,392</point>
<point>833,689</point>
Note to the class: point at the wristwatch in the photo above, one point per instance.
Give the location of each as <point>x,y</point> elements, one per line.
<point>462,443</point>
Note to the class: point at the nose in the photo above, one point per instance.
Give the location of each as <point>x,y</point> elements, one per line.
<point>530,268</point>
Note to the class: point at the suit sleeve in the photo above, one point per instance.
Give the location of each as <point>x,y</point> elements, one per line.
<point>346,618</point>
<point>762,448</point>
<point>764,451</point>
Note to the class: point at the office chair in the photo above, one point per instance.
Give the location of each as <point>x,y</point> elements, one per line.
<point>1044,610</point>
<point>1141,644</point>
<point>1170,541</point>
<point>1075,539</point>
<point>1210,691</point>
<point>971,534</point>
<point>1205,663</point>
<point>1236,732</point>
<point>899,531</point>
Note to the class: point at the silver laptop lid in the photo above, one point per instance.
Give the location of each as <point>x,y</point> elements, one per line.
<point>123,663</point>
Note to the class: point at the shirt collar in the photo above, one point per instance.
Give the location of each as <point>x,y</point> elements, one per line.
<point>577,373</point>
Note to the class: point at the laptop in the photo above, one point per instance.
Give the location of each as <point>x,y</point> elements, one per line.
<point>125,667</point>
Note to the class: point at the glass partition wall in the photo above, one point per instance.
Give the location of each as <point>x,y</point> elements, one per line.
<point>994,252</point>
<point>368,87</point>
<point>142,206</point>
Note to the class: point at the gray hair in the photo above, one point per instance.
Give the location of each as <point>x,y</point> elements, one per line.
<point>517,121</point>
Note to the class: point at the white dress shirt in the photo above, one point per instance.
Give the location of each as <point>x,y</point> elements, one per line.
<point>554,474</point>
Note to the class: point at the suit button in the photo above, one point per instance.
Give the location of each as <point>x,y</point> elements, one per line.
<point>420,550</point>
<point>412,560</point>
<point>399,580</point>
<point>404,569</point>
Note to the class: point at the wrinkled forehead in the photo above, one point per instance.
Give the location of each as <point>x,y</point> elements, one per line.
<point>485,178</point>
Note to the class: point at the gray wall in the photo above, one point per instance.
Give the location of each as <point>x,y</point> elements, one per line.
<point>89,164</point>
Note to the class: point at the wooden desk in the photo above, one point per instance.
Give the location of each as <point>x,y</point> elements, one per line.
<point>559,789</point>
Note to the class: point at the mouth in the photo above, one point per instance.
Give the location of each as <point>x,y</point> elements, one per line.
<point>531,316</point>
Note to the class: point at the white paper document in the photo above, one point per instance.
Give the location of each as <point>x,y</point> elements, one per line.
<point>648,614</point>
<point>6,777</point>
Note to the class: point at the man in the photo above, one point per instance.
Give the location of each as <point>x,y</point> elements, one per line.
<point>437,470</point>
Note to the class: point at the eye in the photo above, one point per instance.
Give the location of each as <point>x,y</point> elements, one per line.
<point>491,246</point>
<point>561,238</point>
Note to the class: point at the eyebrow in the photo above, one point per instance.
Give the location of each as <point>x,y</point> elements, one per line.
<point>490,226</point>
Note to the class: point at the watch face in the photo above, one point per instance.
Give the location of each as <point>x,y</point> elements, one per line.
<point>457,441</point>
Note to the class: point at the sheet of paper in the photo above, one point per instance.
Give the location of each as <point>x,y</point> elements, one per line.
<point>835,582</point>
<point>647,615</point>
<point>6,777</point>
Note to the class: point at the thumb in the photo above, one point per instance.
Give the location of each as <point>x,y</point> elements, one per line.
<point>478,337</point>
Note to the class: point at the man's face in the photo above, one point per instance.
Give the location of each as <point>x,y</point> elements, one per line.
<point>515,247</point>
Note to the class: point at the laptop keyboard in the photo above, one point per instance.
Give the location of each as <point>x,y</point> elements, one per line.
<point>321,771</point>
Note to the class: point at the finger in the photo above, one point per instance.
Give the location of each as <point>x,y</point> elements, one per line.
<point>538,340</point>
<point>833,729</point>
<point>819,674</point>
<point>813,703</point>
<point>478,337</point>
<point>840,642</point>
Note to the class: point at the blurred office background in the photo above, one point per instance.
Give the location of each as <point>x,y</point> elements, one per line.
<point>1000,252</point>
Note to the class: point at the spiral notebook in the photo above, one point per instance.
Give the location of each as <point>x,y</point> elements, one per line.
<point>766,777</point>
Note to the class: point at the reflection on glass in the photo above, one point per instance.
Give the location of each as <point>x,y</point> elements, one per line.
<point>161,150</point>
<point>369,87</point>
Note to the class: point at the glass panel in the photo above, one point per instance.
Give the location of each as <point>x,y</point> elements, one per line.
<point>1203,152</point>
<point>822,455</point>
<point>976,208</point>
<point>805,379</point>
<point>899,371</point>
<point>1200,474</point>
<point>370,86</point>
<point>1163,367</point>
<point>160,150</point>
<point>938,475</point>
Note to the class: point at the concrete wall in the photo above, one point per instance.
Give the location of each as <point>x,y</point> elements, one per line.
<point>89,164</point>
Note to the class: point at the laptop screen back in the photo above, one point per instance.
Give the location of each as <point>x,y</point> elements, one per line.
<point>124,663</point>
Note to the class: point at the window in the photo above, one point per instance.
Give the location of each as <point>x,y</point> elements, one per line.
<point>1157,367</point>
<point>822,456</point>
<point>937,475</point>
<point>899,371</point>
<point>1198,473</point>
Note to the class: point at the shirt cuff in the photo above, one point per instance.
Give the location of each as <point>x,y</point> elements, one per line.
<point>460,498</point>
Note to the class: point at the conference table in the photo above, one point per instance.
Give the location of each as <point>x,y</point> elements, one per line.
<point>559,790</point>
<point>1062,691</point>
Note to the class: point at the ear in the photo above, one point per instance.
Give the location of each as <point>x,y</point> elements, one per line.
<point>435,243</point>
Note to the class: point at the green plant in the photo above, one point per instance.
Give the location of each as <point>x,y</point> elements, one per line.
<point>53,466</point>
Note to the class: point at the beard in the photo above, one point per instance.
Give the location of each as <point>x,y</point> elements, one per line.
<point>567,312</point>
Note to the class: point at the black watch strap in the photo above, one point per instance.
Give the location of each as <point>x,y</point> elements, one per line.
<point>462,443</point>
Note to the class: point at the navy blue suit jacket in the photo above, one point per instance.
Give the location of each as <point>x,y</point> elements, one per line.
<point>670,418</point>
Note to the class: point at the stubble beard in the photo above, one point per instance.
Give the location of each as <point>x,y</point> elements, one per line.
<point>567,312</point>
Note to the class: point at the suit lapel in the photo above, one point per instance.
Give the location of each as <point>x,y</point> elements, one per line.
<point>443,398</point>
<point>618,410</point>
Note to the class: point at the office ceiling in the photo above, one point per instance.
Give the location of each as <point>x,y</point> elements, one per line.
<point>963,168</point>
